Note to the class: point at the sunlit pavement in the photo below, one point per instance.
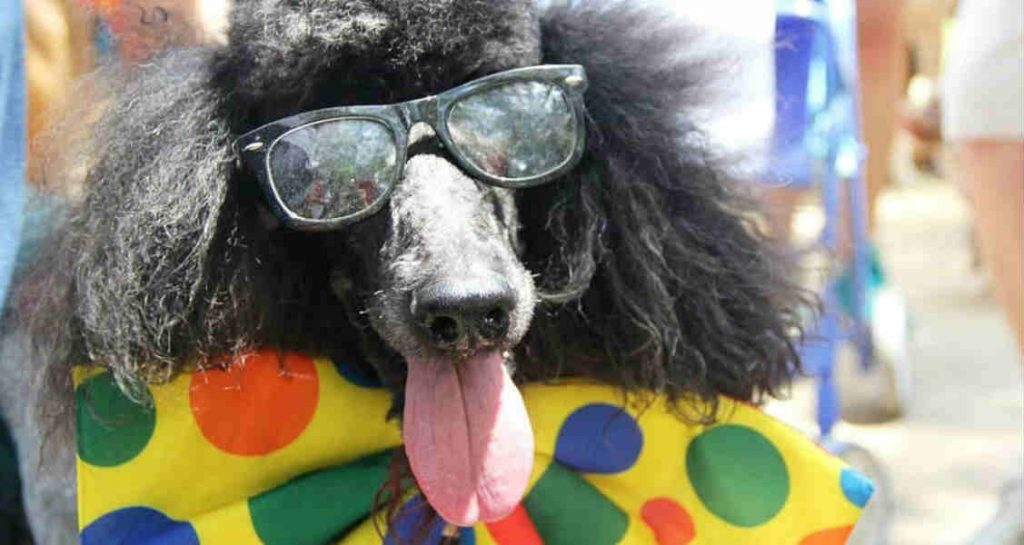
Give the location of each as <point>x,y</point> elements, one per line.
<point>963,439</point>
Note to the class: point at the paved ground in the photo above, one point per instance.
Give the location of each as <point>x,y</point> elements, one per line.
<point>963,438</point>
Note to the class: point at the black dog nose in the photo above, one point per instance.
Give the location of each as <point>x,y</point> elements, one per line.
<point>458,312</point>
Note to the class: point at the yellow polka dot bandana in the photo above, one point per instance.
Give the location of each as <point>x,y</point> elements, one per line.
<point>290,451</point>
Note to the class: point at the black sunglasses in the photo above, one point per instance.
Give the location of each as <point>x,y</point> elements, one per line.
<point>328,168</point>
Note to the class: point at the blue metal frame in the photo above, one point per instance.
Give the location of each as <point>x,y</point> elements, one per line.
<point>818,137</point>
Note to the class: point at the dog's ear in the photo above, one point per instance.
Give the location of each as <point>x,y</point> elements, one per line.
<point>653,271</point>
<point>157,163</point>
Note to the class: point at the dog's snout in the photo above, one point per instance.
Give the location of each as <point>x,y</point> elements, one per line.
<point>465,314</point>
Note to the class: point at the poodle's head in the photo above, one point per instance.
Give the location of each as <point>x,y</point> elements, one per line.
<point>641,266</point>
<point>436,273</point>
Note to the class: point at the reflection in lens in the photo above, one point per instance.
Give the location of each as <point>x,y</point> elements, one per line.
<point>333,169</point>
<point>518,130</point>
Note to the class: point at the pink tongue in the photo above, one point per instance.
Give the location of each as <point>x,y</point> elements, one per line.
<point>468,437</point>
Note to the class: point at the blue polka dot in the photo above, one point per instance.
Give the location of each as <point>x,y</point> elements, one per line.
<point>856,487</point>
<point>599,438</point>
<point>138,526</point>
<point>357,374</point>
<point>408,525</point>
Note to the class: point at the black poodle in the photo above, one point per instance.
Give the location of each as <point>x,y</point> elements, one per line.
<point>642,266</point>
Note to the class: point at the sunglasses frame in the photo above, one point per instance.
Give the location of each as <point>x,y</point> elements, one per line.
<point>254,147</point>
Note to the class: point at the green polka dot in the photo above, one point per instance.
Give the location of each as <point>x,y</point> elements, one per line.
<point>112,429</point>
<point>567,510</point>
<point>738,474</point>
<point>318,507</point>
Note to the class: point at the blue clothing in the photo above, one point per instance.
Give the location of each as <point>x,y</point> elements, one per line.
<point>12,135</point>
<point>12,176</point>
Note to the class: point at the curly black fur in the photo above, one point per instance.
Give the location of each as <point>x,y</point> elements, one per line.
<point>650,271</point>
<point>658,276</point>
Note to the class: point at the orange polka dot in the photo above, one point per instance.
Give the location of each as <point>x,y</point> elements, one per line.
<point>515,529</point>
<point>258,404</point>
<point>834,536</point>
<point>671,523</point>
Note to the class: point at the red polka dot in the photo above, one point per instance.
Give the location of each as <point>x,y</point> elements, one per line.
<point>258,404</point>
<point>834,536</point>
<point>515,529</point>
<point>671,523</point>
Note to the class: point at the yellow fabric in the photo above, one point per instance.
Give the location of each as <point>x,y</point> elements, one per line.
<point>181,484</point>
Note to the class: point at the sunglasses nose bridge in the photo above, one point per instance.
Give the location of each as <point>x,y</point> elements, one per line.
<point>421,110</point>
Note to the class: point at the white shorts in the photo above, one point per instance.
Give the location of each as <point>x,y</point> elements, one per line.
<point>983,96</point>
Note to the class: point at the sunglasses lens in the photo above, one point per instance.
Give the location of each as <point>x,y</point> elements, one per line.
<point>517,130</point>
<point>333,169</point>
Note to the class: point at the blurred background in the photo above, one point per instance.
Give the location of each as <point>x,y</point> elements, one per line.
<point>885,139</point>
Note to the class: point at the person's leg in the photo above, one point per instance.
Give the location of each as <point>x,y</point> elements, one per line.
<point>921,115</point>
<point>882,76</point>
<point>992,173</point>
<point>58,50</point>
<point>923,28</point>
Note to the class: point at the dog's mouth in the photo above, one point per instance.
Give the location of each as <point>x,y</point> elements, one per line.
<point>467,436</point>
<point>451,297</point>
